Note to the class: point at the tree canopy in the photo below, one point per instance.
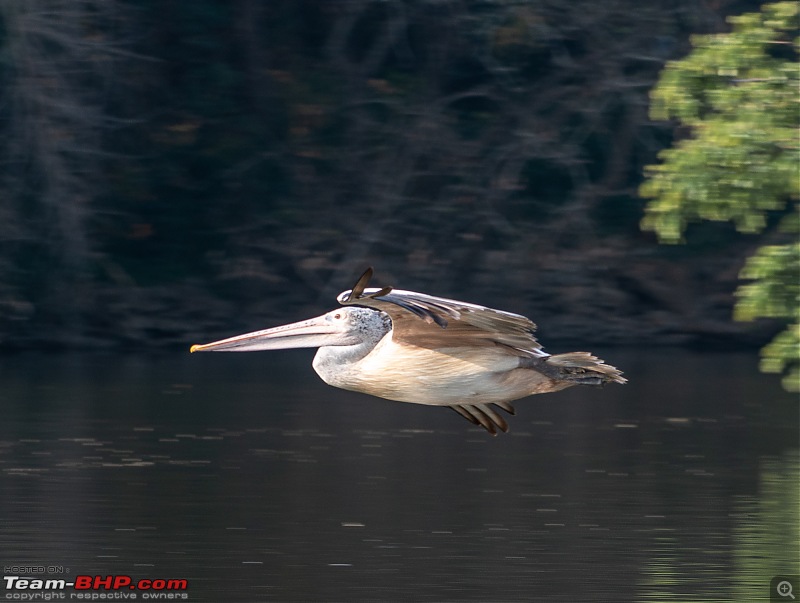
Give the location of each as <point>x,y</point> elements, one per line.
<point>737,96</point>
<point>171,170</point>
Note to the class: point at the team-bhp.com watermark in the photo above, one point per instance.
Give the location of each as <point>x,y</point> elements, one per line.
<point>93,588</point>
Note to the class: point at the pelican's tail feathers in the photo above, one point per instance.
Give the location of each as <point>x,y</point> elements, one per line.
<point>585,369</point>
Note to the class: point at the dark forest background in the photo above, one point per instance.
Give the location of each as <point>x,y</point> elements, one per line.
<point>173,171</point>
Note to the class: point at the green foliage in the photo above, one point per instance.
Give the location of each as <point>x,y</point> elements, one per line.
<point>236,149</point>
<point>737,93</point>
<point>775,293</point>
<point>741,104</point>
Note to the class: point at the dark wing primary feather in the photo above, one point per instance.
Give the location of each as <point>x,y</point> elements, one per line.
<point>485,416</point>
<point>427,321</point>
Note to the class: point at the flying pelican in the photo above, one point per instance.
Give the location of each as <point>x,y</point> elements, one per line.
<point>418,348</point>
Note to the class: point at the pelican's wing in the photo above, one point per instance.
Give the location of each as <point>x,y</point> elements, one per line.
<point>485,416</point>
<point>436,322</point>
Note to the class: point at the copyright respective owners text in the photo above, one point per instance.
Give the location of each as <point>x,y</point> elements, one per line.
<point>61,583</point>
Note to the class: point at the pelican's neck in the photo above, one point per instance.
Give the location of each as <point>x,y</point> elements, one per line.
<point>338,356</point>
<point>335,364</point>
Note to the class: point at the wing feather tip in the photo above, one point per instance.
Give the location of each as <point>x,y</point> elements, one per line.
<point>482,415</point>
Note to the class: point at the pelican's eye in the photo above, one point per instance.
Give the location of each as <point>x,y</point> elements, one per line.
<point>338,316</point>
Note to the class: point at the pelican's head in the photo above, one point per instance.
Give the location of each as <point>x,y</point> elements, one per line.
<point>344,326</point>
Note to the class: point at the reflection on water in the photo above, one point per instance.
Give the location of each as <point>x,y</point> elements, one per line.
<point>256,482</point>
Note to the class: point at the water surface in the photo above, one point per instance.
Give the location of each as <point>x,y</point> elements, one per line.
<point>247,476</point>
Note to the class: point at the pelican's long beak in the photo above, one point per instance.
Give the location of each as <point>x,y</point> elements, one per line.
<point>312,333</point>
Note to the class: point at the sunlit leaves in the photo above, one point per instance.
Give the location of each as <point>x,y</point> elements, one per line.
<point>775,293</point>
<point>780,355</point>
<point>737,95</point>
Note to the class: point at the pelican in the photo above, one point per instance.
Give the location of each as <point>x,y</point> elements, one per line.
<point>412,347</point>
